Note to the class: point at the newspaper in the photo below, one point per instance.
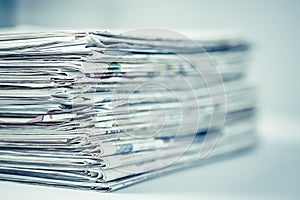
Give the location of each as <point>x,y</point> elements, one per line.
<point>101,110</point>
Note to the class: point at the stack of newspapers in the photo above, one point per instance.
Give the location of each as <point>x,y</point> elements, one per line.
<point>99,110</point>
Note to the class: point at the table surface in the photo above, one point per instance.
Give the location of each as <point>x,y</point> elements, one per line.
<point>270,171</point>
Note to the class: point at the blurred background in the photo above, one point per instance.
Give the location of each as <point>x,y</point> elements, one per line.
<point>274,29</point>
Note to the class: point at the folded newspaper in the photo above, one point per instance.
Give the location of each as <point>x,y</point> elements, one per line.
<point>99,110</point>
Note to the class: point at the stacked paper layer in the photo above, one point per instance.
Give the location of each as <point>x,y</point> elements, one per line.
<point>96,110</point>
